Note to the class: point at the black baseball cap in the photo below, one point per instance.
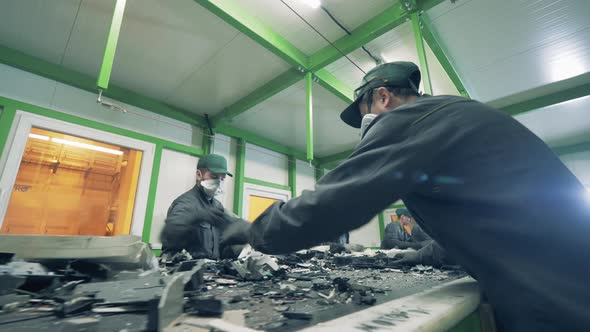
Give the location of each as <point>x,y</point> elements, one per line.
<point>215,163</point>
<point>400,74</point>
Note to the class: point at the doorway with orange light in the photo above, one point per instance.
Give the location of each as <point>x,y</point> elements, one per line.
<point>258,198</point>
<point>66,184</point>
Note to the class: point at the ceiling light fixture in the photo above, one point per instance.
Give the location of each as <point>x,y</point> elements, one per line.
<point>315,4</point>
<point>37,136</point>
<point>86,146</point>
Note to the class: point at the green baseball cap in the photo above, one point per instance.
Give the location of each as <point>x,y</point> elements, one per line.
<point>400,74</point>
<point>215,163</point>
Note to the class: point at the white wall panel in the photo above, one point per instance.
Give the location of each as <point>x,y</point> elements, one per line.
<point>367,235</point>
<point>177,176</point>
<point>305,177</point>
<point>266,165</point>
<point>22,85</point>
<point>33,89</point>
<point>227,147</point>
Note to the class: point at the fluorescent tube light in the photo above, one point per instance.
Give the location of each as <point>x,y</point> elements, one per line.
<point>37,136</point>
<point>86,146</point>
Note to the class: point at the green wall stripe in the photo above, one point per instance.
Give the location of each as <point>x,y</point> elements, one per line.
<point>292,168</point>
<point>149,212</point>
<point>239,177</point>
<point>267,184</point>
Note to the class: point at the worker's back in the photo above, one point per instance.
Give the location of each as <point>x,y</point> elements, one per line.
<point>504,206</point>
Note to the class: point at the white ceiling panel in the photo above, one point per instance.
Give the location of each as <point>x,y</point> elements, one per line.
<point>160,44</point>
<point>37,27</point>
<point>561,124</point>
<point>235,71</point>
<point>282,119</point>
<point>396,45</point>
<point>280,19</point>
<point>504,47</point>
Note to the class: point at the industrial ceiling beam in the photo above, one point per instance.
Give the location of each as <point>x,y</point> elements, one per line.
<point>432,41</point>
<point>417,28</point>
<point>332,84</point>
<point>85,82</point>
<point>108,58</point>
<point>547,95</point>
<point>260,141</point>
<point>256,30</point>
<point>259,95</point>
<point>375,27</point>
<point>309,115</point>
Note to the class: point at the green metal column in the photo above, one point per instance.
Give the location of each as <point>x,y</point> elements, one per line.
<point>207,142</point>
<point>6,119</point>
<point>111,45</point>
<point>319,172</point>
<point>416,25</point>
<point>309,118</point>
<point>293,175</point>
<point>149,212</point>
<point>239,177</point>
<point>381,225</point>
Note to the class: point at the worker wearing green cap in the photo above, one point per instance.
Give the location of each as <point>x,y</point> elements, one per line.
<point>482,185</point>
<point>195,219</point>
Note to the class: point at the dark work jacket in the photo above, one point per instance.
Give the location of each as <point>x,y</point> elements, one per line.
<point>482,185</point>
<point>187,225</point>
<point>395,235</point>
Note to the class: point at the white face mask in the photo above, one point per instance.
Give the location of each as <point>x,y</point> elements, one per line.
<point>367,119</point>
<point>212,187</point>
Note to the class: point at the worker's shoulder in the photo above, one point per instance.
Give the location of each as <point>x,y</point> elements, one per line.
<point>187,197</point>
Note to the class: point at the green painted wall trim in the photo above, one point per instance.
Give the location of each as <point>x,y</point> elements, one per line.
<point>239,177</point>
<point>441,56</point>
<point>253,28</point>
<point>267,184</point>
<point>149,212</point>
<point>375,27</point>
<point>259,95</point>
<point>97,125</point>
<point>381,226</point>
<point>573,148</point>
<point>108,58</point>
<point>417,28</point>
<point>292,169</point>
<point>260,141</point>
<point>332,84</point>
<point>81,81</point>
<point>6,119</point>
<point>309,114</point>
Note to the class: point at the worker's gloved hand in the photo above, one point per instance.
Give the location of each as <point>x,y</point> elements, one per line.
<point>408,258</point>
<point>237,232</point>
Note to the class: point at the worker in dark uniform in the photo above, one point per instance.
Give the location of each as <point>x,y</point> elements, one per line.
<point>404,234</point>
<point>482,185</point>
<point>195,219</point>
